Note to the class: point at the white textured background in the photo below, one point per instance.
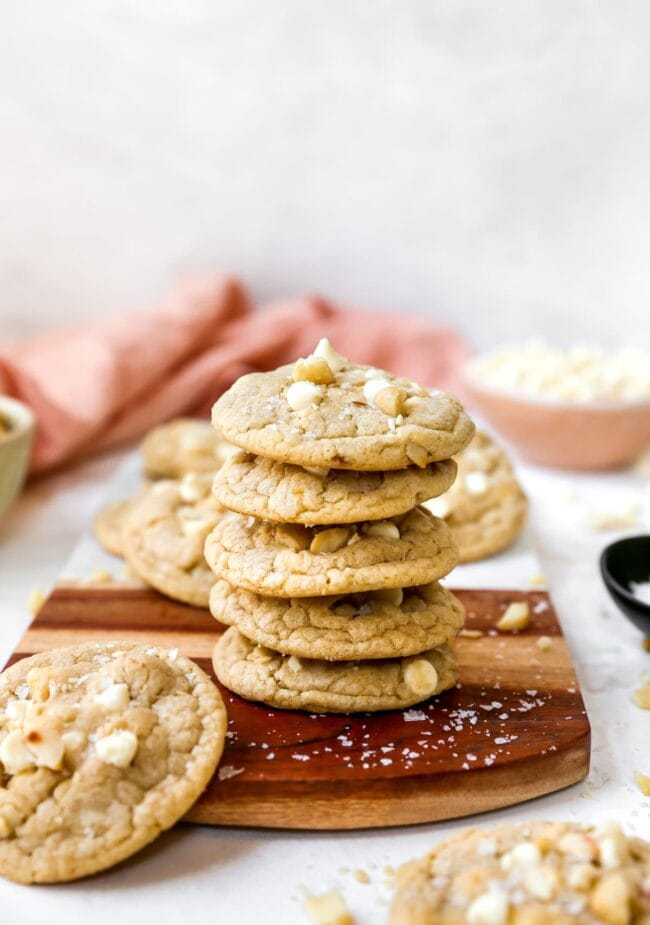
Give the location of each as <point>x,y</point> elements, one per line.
<point>487,163</point>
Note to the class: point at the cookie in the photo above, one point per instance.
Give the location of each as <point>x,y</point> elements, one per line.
<point>374,624</point>
<point>165,535</point>
<point>328,412</point>
<point>290,560</point>
<point>180,446</point>
<point>102,747</point>
<point>281,492</point>
<point>109,524</point>
<point>486,506</point>
<point>534,873</point>
<point>290,683</point>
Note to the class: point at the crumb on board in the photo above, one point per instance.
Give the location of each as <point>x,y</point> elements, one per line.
<point>544,643</point>
<point>643,783</point>
<point>100,576</point>
<point>471,634</point>
<point>615,516</point>
<point>227,771</point>
<point>35,600</point>
<point>641,697</point>
<point>328,909</point>
<point>515,617</point>
<point>361,876</point>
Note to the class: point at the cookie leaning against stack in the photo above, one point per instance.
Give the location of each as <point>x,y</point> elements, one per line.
<point>328,568</point>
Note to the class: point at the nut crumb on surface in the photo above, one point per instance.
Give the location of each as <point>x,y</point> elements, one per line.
<point>544,643</point>
<point>328,909</point>
<point>537,581</point>
<point>643,783</point>
<point>361,876</point>
<point>641,697</point>
<point>471,634</point>
<point>515,617</point>
<point>35,600</point>
<point>99,576</point>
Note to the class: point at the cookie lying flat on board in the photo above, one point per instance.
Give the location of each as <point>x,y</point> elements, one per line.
<point>536,873</point>
<point>102,747</point>
<point>281,492</point>
<point>183,445</point>
<point>486,506</point>
<point>375,624</point>
<point>290,560</point>
<point>290,683</point>
<point>165,535</point>
<point>109,525</point>
<point>326,411</point>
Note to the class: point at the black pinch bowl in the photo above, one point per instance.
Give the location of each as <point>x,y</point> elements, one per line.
<point>622,563</point>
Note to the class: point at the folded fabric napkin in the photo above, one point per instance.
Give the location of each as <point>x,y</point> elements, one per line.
<point>96,386</point>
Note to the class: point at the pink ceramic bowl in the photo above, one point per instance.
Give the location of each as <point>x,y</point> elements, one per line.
<point>562,434</point>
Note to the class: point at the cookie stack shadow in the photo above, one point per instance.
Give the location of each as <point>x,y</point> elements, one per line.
<point>328,580</point>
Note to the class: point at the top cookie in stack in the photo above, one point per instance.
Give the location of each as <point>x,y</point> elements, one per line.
<point>328,568</point>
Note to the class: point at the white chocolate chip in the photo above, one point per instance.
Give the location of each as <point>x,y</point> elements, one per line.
<point>17,709</point>
<point>72,740</point>
<point>317,470</point>
<point>541,882</point>
<point>476,483</point>
<point>439,507</point>
<point>14,754</point>
<point>344,610</point>
<point>384,528</point>
<point>192,487</point>
<point>325,350</point>
<point>581,876</point>
<point>526,854</point>
<point>194,523</point>
<point>294,663</point>
<point>515,617</point>
<point>544,643</point>
<point>373,373</point>
<point>610,852</point>
<point>489,909</point>
<point>36,745</point>
<point>44,742</point>
<point>421,677</point>
<point>301,395</point>
<point>579,846</point>
<point>372,387</point>
<point>115,697</point>
<point>118,748</point>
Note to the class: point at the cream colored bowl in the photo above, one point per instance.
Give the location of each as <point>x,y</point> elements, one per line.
<point>600,435</point>
<point>15,447</point>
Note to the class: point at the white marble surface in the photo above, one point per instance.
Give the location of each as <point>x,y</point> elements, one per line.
<point>482,163</point>
<point>238,875</point>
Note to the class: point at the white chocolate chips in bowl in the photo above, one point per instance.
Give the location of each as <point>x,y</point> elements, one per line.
<point>577,376</point>
<point>575,409</point>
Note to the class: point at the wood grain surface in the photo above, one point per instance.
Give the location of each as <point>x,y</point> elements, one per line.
<point>514,728</point>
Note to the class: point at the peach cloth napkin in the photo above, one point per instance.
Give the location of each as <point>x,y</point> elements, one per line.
<point>96,386</point>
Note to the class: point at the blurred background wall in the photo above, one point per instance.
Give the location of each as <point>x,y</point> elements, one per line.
<point>484,163</point>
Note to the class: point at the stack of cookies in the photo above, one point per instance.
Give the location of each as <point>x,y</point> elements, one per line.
<point>327,566</point>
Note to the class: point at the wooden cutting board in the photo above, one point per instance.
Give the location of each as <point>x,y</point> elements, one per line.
<point>514,728</point>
